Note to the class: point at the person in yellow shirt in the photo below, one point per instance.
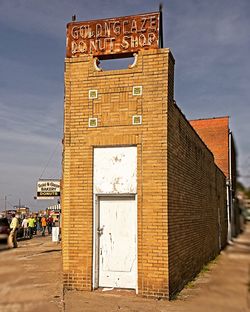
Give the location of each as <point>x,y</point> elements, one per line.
<point>13,231</point>
<point>31,225</point>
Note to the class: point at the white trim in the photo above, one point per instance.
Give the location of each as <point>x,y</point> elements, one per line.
<point>96,63</point>
<point>95,265</point>
<point>93,120</point>
<point>93,96</point>
<point>135,117</point>
<point>135,61</point>
<point>96,202</point>
<point>139,88</point>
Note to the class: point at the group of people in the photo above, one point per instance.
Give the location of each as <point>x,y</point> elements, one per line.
<point>34,224</point>
<point>31,226</point>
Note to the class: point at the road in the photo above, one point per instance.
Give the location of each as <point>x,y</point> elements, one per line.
<point>31,281</point>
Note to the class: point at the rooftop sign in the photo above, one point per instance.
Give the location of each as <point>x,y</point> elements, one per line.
<point>113,36</point>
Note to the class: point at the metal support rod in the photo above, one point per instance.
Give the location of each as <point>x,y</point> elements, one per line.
<point>229,230</point>
<point>5,205</point>
<point>161,26</point>
<point>231,187</point>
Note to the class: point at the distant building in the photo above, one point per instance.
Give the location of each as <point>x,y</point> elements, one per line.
<point>55,208</point>
<point>244,204</point>
<point>216,134</point>
<point>54,211</point>
<point>23,210</point>
<point>247,208</point>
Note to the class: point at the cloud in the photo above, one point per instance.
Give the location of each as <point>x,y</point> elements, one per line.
<point>20,182</point>
<point>50,17</point>
<point>29,16</point>
<point>22,118</point>
<point>210,43</point>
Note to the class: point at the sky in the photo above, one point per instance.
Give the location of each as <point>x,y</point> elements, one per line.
<point>209,40</point>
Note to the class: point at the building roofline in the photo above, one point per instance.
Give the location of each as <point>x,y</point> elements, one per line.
<point>219,117</point>
<point>196,133</point>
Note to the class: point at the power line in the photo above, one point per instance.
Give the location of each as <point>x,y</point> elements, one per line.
<point>51,156</point>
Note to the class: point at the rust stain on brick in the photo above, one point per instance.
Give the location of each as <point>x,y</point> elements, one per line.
<point>113,37</point>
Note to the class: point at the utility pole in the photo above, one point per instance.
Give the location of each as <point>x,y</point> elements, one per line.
<point>161,26</point>
<point>5,205</point>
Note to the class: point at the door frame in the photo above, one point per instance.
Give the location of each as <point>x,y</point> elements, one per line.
<point>96,222</point>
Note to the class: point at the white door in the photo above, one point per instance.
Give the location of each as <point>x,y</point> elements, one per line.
<point>118,242</point>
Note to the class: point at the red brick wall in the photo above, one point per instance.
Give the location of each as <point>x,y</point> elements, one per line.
<point>214,133</point>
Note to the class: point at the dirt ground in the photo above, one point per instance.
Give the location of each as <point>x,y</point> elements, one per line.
<point>30,280</point>
<point>30,277</point>
<point>223,287</point>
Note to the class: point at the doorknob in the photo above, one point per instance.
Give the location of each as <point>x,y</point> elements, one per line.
<point>100,230</point>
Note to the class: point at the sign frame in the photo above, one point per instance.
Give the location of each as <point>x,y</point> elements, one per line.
<point>48,188</point>
<point>114,37</point>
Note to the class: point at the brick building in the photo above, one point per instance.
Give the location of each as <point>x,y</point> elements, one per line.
<point>216,134</point>
<point>143,203</point>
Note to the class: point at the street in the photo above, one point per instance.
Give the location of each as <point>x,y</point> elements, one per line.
<point>31,281</point>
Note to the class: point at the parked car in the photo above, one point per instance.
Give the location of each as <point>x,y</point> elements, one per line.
<point>4,230</point>
<point>20,232</point>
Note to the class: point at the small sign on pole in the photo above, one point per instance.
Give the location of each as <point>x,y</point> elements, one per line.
<point>48,189</point>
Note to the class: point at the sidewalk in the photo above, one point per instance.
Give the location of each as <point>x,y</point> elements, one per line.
<point>224,287</point>
<point>30,277</point>
<point>31,281</point>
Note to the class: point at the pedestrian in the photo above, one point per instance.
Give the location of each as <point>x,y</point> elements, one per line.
<point>13,231</point>
<point>44,224</point>
<point>49,224</point>
<point>35,226</point>
<point>38,224</point>
<point>25,227</point>
<point>31,225</point>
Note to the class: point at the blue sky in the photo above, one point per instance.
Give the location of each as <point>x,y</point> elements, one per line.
<point>209,40</point>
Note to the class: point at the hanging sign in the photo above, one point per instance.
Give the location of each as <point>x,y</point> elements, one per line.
<point>113,36</point>
<point>48,189</point>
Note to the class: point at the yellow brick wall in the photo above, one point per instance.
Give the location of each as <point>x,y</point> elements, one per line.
<point>114,108</point>
<point>180,190</point>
